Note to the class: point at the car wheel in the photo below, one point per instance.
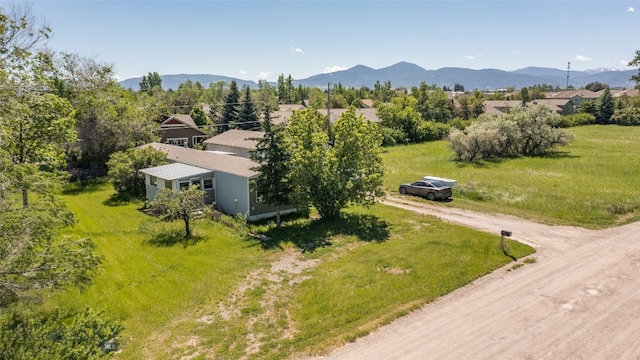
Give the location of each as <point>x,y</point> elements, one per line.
<point>431,196</point>
<point>403,191</point>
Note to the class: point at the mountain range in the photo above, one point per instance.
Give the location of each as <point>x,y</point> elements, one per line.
<point>404,74</point>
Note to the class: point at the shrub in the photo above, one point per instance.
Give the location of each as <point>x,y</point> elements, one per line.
<point>527,131</point>
<point>431,130</point>
<point>627,117</point>
<point>577,120</point>
<point>124,165</point>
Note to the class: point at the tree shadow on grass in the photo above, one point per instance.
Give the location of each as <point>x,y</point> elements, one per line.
<point>310,235</point>
<point>171,238</point>
<point>117,199</point>
<point>83,187</point>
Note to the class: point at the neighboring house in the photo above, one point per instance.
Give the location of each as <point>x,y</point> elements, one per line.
<point>496,107</point>
<point>181,130</point>
<point>234,142</point>
<point>627,92</point>
<point>575,96</point>
<point>368,113</point>
<point>227,180</point>
<point>367,103</point>
<point>283,113</point>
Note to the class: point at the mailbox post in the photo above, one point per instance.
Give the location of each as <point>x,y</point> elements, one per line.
<point>504,233</point>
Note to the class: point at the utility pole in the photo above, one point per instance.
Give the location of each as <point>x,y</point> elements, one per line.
<point>328,106</point>
<point>568,68</point>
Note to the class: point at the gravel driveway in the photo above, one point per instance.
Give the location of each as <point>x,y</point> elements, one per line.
<point>579,300</point>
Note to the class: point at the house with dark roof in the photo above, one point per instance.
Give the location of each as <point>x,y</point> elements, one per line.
<point>227,180</point>
<point>181,130</point>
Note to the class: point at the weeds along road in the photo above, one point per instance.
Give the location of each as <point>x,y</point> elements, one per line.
<point>579,300</point>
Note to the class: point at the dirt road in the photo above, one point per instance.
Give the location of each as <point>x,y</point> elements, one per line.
<point>579,300</point>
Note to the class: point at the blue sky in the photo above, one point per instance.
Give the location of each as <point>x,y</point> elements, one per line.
<point>254,40</point>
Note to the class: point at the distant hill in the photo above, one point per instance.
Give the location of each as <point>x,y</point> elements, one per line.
<point>408,75</point>
<point>173,81</point>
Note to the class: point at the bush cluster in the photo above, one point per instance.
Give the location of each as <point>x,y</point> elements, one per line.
<point>531,131</point>
<point>627,117</point>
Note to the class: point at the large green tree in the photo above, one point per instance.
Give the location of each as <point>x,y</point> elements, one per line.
<point>272,182</point>
<point>151,83</point>
<point>331,177</point>
<point>123,169</point>
<point>33,254</point>
<point>109,118</point>
<point>57,334</point>
<point>636,62</point>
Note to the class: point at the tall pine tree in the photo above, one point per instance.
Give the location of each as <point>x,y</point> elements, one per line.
<point>272,183</point>
<point>230,109</point>
<point>606,107</point>
<point>247,117</point>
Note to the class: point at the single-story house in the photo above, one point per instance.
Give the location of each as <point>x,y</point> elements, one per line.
<point>227,180</point>
<point>181,130</point>
<point>234,142</point>
<point>178,176</point>
<point>496,107</point>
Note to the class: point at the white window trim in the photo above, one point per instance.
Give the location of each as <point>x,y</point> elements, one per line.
<point>195,138</point>
<point>213,184</point>
<point>183,141</point>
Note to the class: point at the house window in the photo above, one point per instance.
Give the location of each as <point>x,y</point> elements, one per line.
<point>197,139</point>
<point>168,184</point>
<point>178,141</point>
<point>197,181</point>
<point>207,184</point>
<point>153,180</point>
<point>260,196</point>
<point>184,185</point>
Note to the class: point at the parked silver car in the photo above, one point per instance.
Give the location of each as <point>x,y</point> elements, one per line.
<point>429,189</point>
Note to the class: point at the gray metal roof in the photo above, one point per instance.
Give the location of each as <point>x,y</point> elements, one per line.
<point>175,171</point>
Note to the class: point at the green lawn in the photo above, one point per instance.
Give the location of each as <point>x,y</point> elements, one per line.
<point>217,295</point>
<point>592,183</point>
<point>220,294</point>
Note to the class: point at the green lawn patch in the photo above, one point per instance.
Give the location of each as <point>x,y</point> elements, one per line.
<point>220,295</point>
<point>591,183</point>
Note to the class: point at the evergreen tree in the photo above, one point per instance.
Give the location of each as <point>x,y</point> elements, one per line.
<point>151,82</point>
<point>247,117</point>
<point>272,183</point>
<point>230,109</point>
<point>606,107</point>
<point>198,116</point>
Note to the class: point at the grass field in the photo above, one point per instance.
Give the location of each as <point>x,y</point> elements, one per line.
<point>219,295</point>
<point>592,183</point>
<point>227,295</point>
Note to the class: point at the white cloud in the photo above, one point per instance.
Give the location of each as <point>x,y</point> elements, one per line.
<point>242,72</point>
<point>297,51</point>
<point>623,62</point>
<point>334,68</point>
<point>264,75</point>
<point>631,9</point>
<point>582,58</point>
<point>470,57</point>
